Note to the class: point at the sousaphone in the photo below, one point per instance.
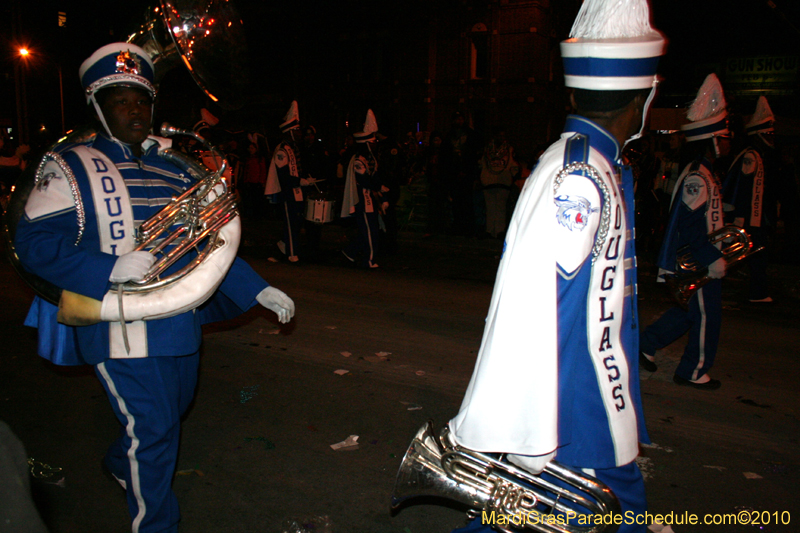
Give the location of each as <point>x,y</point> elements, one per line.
<point>207,38</point>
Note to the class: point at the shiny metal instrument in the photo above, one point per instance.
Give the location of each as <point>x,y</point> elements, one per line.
<point>201,211</point>
<point>207,38</point>
<point>736,246</point>
<point>435,466</point>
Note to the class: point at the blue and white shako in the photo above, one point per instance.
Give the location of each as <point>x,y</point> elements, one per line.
<point>612,47</point>
<point>117,65</point>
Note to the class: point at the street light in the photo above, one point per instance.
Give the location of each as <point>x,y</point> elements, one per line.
<point>22,101</point>
<point>26,54</point>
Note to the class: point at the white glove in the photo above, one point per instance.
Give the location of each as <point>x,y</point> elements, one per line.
<point>716,270</point>
<point>277,302</point>
<point>532,463</point>
<point>131,267</point>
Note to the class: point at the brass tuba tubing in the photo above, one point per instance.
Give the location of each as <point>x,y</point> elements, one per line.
<point>694,276</point>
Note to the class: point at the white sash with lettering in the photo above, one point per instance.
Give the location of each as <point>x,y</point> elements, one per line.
<point>115,225</point>
<point>714,207</point>
<point>606,303</point>
<point>758,192</point>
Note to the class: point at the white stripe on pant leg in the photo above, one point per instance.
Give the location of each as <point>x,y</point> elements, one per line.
<point>289,226</point>
<point>136,484</point>
<point>702,348</point>
<point>369,238</point>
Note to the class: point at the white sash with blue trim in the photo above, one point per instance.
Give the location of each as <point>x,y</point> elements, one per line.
<point>115,225</point>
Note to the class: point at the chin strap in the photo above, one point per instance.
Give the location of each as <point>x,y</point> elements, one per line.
<point>124,146</point>
<point>645,110</point>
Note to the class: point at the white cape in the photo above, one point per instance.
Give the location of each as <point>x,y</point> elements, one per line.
<point>511,404</point>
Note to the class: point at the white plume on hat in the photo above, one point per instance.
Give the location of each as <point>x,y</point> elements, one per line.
<point>612,47</point>
<point>762,118</point>
<point>603,19</point>
<point>707,114</point>
<point>369,130</point>
<point>710,100</point>
<point>292,118</point>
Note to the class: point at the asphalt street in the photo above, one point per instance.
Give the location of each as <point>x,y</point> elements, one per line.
<point>373,355</point>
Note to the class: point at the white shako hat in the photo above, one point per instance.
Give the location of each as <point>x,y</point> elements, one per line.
<point>117,65</point>
<point>707,115</point>
<point>762,121</point>
<point>367,133</point>
<point>612,47</point>
<point>292,119</point>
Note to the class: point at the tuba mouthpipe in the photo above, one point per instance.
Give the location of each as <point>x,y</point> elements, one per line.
<point>168,130</point>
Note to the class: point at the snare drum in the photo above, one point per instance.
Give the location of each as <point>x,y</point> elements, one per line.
<point>320,209</point>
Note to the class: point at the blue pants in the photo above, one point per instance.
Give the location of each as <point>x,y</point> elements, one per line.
<point>363,247</point>
<point>293,221</point>
<point>149,396</point>
<point>625,482</point>
<point>703,321</point>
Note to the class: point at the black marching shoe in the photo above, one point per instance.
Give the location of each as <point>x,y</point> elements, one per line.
<point>646,363</point>
<point>711,384</point>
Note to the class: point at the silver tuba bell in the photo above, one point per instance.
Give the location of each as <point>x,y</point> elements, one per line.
<point>206,38</point>
<point>506,495</point>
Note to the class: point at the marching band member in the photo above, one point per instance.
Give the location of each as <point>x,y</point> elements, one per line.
<point>285,183</point>
<point>563,313</point>
<point>696,211</point>
<point>110,184</point>
<point>743,192</point>
<point>361,189</point>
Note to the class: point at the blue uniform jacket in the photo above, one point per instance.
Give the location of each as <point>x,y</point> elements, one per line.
<point>47,247</point>
<point>687,228</point>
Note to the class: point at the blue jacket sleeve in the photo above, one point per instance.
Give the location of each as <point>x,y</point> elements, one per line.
<point>46,247</point>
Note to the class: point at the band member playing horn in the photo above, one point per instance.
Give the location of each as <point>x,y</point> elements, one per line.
<point>77,233</point>
<point>696,211</point>
<point>563,313</point>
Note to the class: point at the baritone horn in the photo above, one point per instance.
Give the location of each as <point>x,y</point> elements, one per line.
<point>736,246</point>
<point>494,489</point>
<point>207,39</point>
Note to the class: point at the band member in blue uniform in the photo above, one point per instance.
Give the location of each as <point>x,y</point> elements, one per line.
<point>557,372</point>
<point>77,232</point>
<point>362,196</point>
<point>744,199</point>
<point>285,182</point>
<point>696,211</point>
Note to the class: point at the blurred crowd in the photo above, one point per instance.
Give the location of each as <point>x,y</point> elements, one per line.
<point>459,182</point>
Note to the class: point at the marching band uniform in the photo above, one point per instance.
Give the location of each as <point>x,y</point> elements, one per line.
<point>696,211</point>
<point>285,184</point>
<point>571,331</point>
<point>363,181</point>
<point>743,193</point>
<point>150,381</point>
